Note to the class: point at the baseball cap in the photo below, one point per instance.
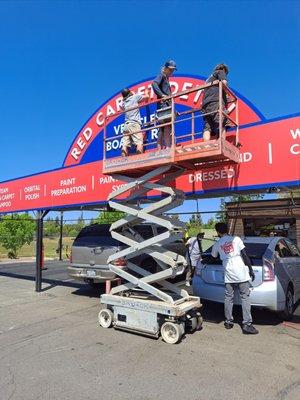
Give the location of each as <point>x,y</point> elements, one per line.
<point>171,64</point>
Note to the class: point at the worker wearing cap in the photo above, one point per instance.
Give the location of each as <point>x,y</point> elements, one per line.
<point>210,102</point>
<point>132,132</point>
<point>162,89</point>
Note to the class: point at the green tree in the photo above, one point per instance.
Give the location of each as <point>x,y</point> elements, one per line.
<point>108,217</point>
<point>15,231</point>
<point>195,224</point>
<point>195,220</point>
<point>293,193</point>
<point>51,229</point>
<point>210,224</point>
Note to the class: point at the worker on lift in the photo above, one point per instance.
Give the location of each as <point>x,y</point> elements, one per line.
<point>210,102</point>
<point>132,132</point>
<point>162,88</point>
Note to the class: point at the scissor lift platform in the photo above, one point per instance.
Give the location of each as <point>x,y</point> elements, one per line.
<point>185,155</point>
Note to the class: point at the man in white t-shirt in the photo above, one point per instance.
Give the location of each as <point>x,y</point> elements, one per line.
<point>238,274</point>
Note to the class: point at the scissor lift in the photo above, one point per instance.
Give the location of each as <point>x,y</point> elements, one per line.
<point>148,303</point>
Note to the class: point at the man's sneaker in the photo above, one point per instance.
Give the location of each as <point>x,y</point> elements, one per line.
<point>250,330</point>
<point>187,283</point>
<point>228,325</point>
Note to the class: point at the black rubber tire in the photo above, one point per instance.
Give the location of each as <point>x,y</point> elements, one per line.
<point>287,313</point>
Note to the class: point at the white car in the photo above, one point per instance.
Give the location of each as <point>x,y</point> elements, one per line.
<point>276,264</point>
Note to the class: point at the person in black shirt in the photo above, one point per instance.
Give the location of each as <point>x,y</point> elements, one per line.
<point>162,88</point>
<point>210,102</point>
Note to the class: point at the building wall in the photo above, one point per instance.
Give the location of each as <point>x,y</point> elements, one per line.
<point>265,209</point>
<point>236,226</point>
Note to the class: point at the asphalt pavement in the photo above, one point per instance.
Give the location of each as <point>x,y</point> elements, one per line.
<point>51,347</point>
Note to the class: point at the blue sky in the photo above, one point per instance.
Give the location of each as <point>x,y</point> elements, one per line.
<point>61,59</point>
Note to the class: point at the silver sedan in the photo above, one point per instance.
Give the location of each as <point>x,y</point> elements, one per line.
<point>276,264</point>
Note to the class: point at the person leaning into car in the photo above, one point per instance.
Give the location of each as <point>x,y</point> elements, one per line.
<point>238,274</point>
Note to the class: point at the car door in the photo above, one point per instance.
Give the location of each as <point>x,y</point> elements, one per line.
<point>283,264</point>
<point>294,265</point>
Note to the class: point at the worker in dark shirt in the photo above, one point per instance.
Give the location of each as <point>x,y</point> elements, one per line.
<point>162,88</point>
<point>210,102</point>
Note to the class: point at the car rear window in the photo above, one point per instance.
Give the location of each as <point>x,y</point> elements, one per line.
<point>255,252</point>
<point>95,235</point>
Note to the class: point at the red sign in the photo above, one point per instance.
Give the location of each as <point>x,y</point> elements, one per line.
<point>270,156</point>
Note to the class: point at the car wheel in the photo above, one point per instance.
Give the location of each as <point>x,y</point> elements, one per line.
<point>289,304</point>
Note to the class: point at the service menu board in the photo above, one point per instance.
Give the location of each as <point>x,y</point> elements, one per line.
<point>270,156</point>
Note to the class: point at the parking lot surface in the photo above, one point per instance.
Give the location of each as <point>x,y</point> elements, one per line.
<point>51,347</point>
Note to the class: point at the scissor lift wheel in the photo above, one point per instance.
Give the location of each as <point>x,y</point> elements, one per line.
<point>105,318</point>
<point>172,332</point>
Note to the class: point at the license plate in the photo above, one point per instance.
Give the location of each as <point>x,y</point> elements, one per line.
<point>91,273</point>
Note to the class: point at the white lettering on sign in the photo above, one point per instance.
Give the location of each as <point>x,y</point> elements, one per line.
<point>33,188</point>
<point>154,134</point>
<point>186,86</point>
<point>119,129</point>
<point>100,119</point>
<point>4,190</point>
<point>32,196</point>
<point>295,149</point>
<point>141,90</point>
<point>68,190</point>
<point>245,157</point>
<point>106,179</point>
<point>87,133</point>
<point>295,133</point>
<point>67,182</point>
<point>81,143</point>
<point>75,153</point>
<point>7,196</point>
<point>116,187</point>
<point>211,175</point>
<point>114,144</point>
<point>5,204</point>
<point>197,96</point>
<point>119,101</point>
<point>110,111</point>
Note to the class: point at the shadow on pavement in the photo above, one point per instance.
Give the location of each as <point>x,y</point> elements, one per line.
<point>52,282</point>
<point>214,313</point>
<point>90,291</point>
